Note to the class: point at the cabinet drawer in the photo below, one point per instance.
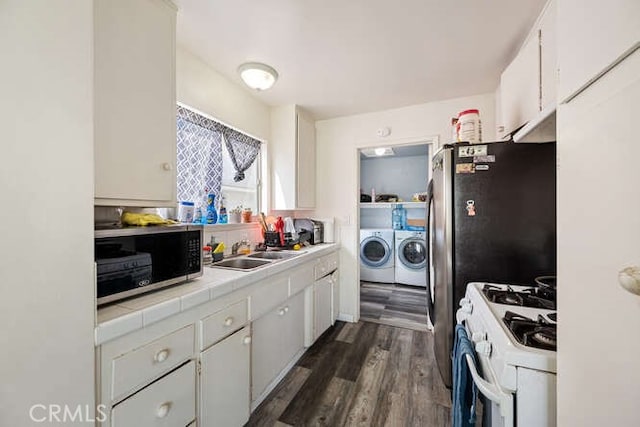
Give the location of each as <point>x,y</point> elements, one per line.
<point>149,361</point>
<point>171,401</point>
<point>301,278</point>
<point>223,323</point>
<point>274,291</point>
<point>326,265</point>
<point>332,261</point>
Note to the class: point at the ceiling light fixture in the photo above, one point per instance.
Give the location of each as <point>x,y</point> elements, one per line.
<point>258,76</point>
<point>377,152</point>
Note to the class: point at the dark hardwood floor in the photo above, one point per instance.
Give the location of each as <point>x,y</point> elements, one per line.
<point>394,304</point>
<point>361,374</point>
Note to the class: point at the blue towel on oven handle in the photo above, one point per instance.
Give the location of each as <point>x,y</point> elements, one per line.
<point>464,392</point>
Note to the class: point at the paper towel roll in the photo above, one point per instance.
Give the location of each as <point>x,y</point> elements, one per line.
<point>327,224</point>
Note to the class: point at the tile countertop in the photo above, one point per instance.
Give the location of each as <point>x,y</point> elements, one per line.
<point>130,315</point>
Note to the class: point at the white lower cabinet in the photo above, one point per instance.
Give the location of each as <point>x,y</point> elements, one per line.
<point>225,381</point>
<point>322,305</point>
<point>277,337</point>
<point>170,401</point>
<point>335,296</point>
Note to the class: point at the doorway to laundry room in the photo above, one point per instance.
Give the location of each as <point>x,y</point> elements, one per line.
<point>393,247</point>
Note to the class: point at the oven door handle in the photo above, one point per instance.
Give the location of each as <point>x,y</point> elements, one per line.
<point>493,393</point>
<point>489,389</point>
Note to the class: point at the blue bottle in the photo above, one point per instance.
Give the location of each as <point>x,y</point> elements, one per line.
<point>398,218</point>
<point>223,218</point>
<point>212,215</point>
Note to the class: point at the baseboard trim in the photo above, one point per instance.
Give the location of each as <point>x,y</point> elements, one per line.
<point>346,318</point>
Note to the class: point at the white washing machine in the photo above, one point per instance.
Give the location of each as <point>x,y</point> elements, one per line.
<point>411,257</point>
<point>377,255</point>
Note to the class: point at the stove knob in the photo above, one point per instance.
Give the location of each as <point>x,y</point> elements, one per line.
<point>464,301</point>
<point>466,308</point>
<point>479,336</point>
<point>484,348</point>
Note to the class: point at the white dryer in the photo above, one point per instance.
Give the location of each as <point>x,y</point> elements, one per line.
<point>411,257</point>
<point>377,255</point>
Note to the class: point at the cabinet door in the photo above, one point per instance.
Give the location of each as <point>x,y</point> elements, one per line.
<point>335,296</point>
<point>135,125</point>
<point>322,305</point>
<point>520,86</point>
<point>265,350</point>
<point>293,328</point>
<point>224,381</point>
<point>591,37</point>
<point>277,337</point>
<point>306,162</point>
<point>548,57</point>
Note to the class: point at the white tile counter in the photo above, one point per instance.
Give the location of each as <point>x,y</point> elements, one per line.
<point>130,315</point>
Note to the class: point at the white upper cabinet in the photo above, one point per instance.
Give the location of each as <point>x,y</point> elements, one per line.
<point>292,150</point>
<point>593,35</point>
<point>520,88</point>
<point>548,57</point>
<point>135,102</point>
<point>528,84</point>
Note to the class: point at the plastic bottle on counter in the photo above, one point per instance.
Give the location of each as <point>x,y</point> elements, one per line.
<point>222,218</point>
<point>212,215</point>
<point>197,217</point>
<point>398,217</point>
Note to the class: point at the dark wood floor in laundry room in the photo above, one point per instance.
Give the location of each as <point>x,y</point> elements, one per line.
<point>361,374</point>
<point>393,304</point>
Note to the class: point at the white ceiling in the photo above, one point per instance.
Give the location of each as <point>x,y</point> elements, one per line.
<point>342,57</point>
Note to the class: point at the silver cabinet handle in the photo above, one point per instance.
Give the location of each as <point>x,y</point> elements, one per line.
<point>228,321</point>
<point>246,340</point>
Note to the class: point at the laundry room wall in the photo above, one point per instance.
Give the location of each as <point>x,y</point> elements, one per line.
<point>403,176</point>
<point>338,141</point>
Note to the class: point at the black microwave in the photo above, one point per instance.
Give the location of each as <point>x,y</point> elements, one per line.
<point>135,260</point>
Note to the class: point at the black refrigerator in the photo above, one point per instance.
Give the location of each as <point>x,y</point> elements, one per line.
<point>491,217</point>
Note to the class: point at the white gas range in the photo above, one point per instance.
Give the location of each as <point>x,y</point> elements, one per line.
<point>514,332</point>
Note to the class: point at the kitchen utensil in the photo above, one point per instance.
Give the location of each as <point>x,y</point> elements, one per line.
<point>280,229</point>
<point>263,223</point>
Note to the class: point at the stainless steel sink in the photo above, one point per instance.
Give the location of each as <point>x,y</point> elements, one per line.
<point>242,264</point>
<point>273,255</point>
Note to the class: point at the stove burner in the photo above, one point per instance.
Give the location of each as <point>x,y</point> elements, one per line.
<point>545,336</point>
<point>531,333</point>
<point>528,297</point>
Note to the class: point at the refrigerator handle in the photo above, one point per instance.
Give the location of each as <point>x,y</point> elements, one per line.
<point>430,297</point>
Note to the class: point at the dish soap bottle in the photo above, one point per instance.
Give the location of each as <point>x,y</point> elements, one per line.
<point>222,218</point>
<point>398,216</point>
<point>212,215</point>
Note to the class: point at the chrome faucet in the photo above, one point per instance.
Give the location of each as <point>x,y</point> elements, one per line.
<point>237,245</point>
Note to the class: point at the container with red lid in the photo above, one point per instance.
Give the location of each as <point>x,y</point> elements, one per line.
<point>469,126</point>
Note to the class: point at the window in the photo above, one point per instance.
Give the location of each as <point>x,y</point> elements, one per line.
<point>214,158</point>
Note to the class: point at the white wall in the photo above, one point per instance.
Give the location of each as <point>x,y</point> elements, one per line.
<point>201,87</point>
<point>402,176</point>
<point>47,307</point>
<point>598,232</point>
<point>337,189</point>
